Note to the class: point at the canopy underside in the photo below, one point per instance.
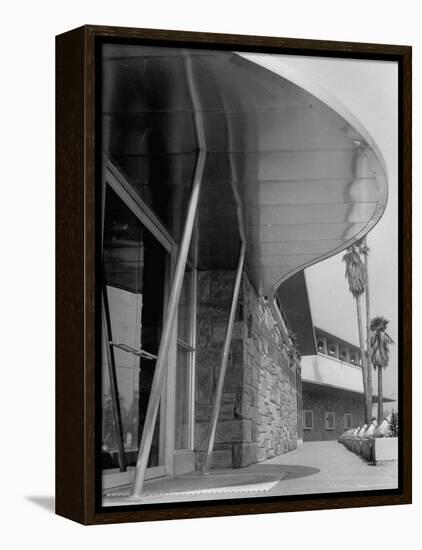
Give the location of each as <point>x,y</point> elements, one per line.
<point>309,183</point>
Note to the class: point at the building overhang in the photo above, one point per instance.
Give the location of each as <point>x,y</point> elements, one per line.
<point>307,177</point>
<point>325,374</point>
<point>326,390</point>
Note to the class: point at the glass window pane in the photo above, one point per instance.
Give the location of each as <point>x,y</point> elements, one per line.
<point>184,317</point>
<point>183,398</point>
<point>148,129</point>
<point>134,265</point>
<point>125,307</point>
<point>329,421</point>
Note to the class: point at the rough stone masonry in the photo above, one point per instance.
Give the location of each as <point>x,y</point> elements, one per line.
<point>258,415</point>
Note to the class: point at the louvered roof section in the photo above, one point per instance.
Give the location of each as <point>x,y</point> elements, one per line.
<point>310,179</point>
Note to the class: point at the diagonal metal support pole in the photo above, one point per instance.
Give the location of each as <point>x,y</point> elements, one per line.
<point>176,286</point>
<point>223,366</point>
<point>235,297</point>
<point>169,319</point>
<point>277,315</point>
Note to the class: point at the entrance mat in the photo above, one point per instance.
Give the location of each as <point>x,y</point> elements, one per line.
<point>215,482</point>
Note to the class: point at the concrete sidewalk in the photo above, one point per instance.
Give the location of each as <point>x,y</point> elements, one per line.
<point>314,467</point>
<point>338,470</point>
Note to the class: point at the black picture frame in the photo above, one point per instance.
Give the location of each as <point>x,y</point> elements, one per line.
<point>77,234</point>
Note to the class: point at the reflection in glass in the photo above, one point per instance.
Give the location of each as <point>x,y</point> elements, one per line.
<point>185,363</point>
<point>184,317</point>
<point>182,437</point>
<point>134,271</point>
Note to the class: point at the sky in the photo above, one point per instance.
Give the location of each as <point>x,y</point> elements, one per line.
<point>369,90</point>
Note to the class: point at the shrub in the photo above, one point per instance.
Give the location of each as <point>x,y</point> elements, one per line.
<point>393,424</point>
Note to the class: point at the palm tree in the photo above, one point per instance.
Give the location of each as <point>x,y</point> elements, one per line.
<point>355,275</point>
<point>364,251</point>
<point>380,345</point>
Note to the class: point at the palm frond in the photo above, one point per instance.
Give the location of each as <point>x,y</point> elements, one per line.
<point>355,271</point>
<point>364,250</point>
<point>380,342</point>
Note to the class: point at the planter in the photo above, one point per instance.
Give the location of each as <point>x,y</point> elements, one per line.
<point>376,450</point>
<point>385,449</point>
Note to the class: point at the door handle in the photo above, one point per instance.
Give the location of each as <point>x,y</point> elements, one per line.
<point>129,349</point>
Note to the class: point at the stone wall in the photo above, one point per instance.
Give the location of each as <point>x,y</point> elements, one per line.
<point>258,416</point>
<point>323,400</point>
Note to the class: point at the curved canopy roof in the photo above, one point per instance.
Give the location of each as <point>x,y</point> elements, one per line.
<point>309,180</point>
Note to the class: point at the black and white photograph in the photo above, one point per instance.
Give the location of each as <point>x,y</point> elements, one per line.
<point>249,289</point>
<point>210,275</point>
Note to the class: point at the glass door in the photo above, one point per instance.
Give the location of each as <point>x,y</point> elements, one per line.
<point>135,273</point>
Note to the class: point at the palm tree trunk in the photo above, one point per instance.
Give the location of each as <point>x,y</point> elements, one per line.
<point>368,335</point>
<point>380,397</point>
<point>368,414</point>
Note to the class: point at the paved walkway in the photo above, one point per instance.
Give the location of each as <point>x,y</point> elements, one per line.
<point>314,467</point>
<point>338,470</point>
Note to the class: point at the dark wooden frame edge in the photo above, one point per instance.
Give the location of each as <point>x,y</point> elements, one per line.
<point>75,272</point>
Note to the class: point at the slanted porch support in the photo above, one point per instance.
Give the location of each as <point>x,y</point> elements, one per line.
<point>223,366</point>
<point>174,294</point>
